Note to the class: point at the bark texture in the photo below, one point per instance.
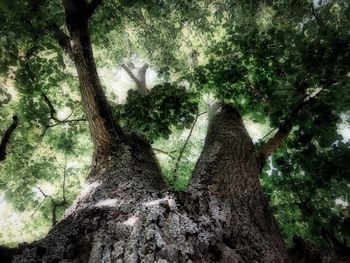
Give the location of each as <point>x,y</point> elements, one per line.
<point>226,184</point>
<point>103,127</point>
<point>126,214</point>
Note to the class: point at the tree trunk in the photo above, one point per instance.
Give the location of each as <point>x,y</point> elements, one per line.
<point>105,132</point>
<point>225,185</point>
<point>126,214</point>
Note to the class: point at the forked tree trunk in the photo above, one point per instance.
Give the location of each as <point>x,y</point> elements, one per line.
<point>126,214</point>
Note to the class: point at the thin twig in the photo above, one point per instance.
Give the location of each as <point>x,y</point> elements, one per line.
<point>64,178</point>
<point>165,152</point>
<point>36,210</point>
<point>42,192</point>
<point>318,20</point>
<point>185,144</point>
<point>267,134</point>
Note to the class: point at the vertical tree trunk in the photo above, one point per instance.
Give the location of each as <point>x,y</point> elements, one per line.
<point>104,130</point>
<point>226,184</point>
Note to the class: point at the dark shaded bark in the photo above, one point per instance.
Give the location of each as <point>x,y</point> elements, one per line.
<point>6,138</point>
<point>226,182</point>
<point>105,131</point>
<point>126,214</point>
<point>7,254</point>
<point>302,252</point>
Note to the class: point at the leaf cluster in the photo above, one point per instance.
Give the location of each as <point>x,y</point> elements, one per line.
<point>166,106</point>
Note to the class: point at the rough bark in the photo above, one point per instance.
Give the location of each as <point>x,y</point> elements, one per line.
<point>302,252</point>
<point>103,127</point>
<point>226,184</point>
<point>125,213</point>
<point>99,226</point>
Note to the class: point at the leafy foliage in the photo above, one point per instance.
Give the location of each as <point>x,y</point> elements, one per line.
<point>164,107</point>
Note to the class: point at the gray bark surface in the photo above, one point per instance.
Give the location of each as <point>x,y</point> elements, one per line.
<point>126,213</point>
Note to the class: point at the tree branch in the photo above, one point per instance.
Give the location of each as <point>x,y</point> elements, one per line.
<point>131,75</point>
<point>6,138</point>
<point>62,39</point>
<point>64,179</point>
<point>326,234</point>
<point>273,143</point>
<point>51,108</point>
<point>53,114</point>
<point>185,144</point>
<point>318,20</point>
<point>54,204</point>
<point>286,127</point>
<point>164,152</point>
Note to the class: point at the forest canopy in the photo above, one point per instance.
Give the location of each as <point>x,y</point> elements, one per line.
<point>284,65</point>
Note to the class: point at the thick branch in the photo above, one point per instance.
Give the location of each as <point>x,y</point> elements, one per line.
<point>273,143</point>
<point>228,170</point>
<point>6,138</point>
<point>284,130</point>
<point>62,39</point>
<point>131,75</point>
<point>142,78</point>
